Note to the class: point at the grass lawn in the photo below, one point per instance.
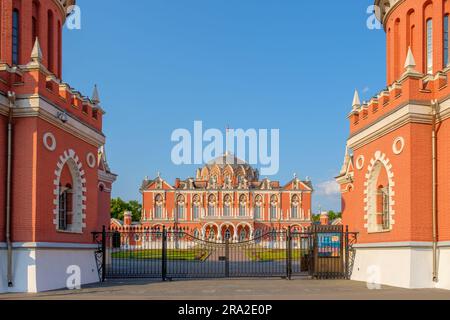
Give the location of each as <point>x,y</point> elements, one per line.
<point>155,254</point>
<point>265,255</point>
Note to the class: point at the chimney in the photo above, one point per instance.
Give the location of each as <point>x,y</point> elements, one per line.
<point>127,218</point>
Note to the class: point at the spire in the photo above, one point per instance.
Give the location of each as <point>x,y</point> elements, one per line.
<point>347,159</point>
<point>95,96</point>
<point>356,101</point>
<point>36,53</point>
<point>410,63</point>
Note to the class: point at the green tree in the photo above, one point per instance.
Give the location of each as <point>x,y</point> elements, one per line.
<point>334,215</point>
<point>119,206</point>
<point>136,208</point>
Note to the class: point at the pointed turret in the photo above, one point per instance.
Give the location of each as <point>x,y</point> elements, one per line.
<point>410,63</point>
<point>347,160</point>
<point>356,101</point>
<point>95,96</point>
<point>36,53</point>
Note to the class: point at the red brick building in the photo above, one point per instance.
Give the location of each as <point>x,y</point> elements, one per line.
<point>226,199</point>
<point>55,182</point>
<point>395,179</point>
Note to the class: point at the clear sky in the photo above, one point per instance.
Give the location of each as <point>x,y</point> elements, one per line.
<point>291,65</point>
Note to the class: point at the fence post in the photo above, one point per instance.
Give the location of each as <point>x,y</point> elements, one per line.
<point>103,253</point>
<point>227,258</point>
<point>288,254</point>
<point>164,255</point>
<point>314,252</point>
<point>347,255</point>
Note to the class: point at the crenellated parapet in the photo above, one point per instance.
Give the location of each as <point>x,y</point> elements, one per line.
<point>412,88</point>
<point>36,81</point>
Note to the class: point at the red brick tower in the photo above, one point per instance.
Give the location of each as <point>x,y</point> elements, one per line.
<point>395,179</point>
<point>55,182</point>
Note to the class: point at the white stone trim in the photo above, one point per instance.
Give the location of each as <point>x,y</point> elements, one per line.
<point>90,160</point>
<point>370,200</point>
<point>35,105</point>
<point>79,180</point>
<point>106,177</point>
<point>404,244</point>
<point>395,148</point>
<point>389,123</point>
<point>52,145</point>
<point>360,162</point>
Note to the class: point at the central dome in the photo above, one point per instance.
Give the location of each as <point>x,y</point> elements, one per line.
<point>227,159</point>
<point>227,165</point>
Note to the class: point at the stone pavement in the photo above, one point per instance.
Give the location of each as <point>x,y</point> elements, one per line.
<point>231,289</point>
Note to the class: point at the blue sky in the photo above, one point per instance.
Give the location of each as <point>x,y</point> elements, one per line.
<point>285,64</point>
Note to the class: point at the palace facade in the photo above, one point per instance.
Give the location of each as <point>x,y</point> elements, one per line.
<point>395,180</point>
<point>55,182</point>
<point>225,200</point>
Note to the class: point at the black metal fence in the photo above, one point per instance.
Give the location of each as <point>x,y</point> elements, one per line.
<point>320,252</point>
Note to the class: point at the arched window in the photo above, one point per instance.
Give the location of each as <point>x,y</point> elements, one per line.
<point>383,207</point>
<point>295,207</point>
<point>196,207</point>
<point>429,46</point>
<point>158,207</point>
<point>65,207</point>
<point>397,57</point>
<point>227,234</point>
<point>35,22</point>
<point>180,208</point>
<point>15,36</point>
<point>196,234</point>
<point>50,41</point>
<point>212,234</point>
<point>243,206</point>
<point>34,28</point>
<point>59,48</point>
<point>227,206</point>
<point>243,235</point>
<point>446,26</point>
<point>410,29</point>
<point>273,208</point>
<point>258,206</point>
<point>379,204</point>
<point>211,206</point>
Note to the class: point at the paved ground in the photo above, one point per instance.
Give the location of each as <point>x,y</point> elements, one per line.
<point>253,289</point>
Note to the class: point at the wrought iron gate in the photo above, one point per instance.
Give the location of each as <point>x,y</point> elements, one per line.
<point>320,252</point>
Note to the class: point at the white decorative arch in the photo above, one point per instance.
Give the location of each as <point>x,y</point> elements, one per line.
<point>228,225</point>
<point>250,227</point>
<point>70,159</point>
<point>377,163</point>
<point>209,224</point>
